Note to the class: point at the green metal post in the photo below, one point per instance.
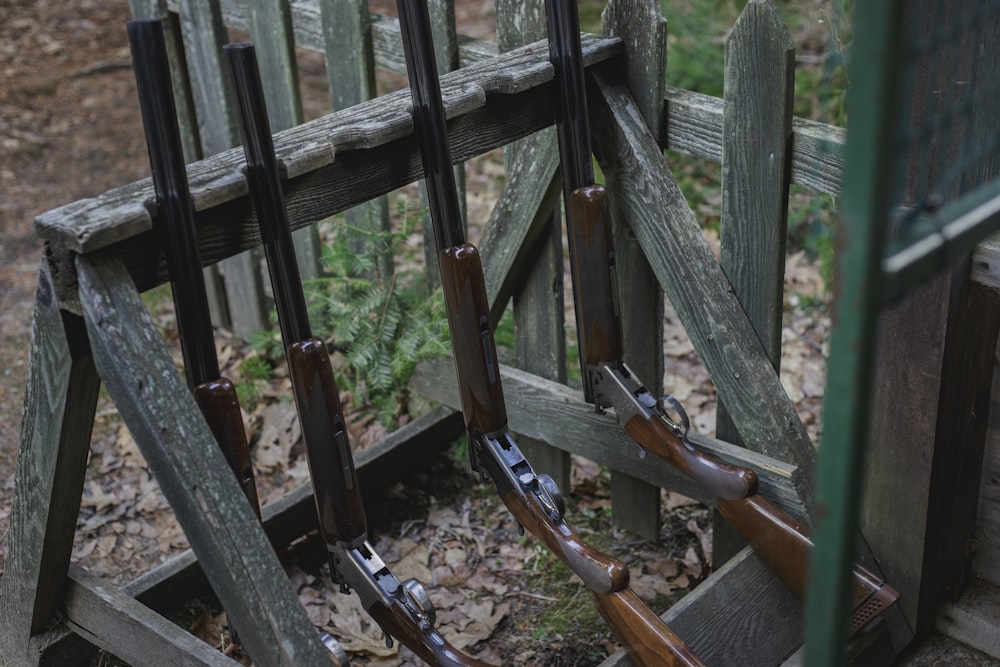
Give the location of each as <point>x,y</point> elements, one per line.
<point>865,209</point>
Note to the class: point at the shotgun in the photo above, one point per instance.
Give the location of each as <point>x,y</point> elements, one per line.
<point>533,499</point>
<point>781,541</point>
<point>215,395</point>
<point>174,223</point>
<point>402,609</point>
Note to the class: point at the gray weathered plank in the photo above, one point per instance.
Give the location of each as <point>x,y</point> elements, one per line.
<point>741,615</point>
<point>986,263</point>
<point>694,127</point>
<point>687,271</point>
<point>488,105</point>
<point>519,218</point>
<point>175,441</point>
<point>204,34</point>
<point>271,32</point>
<point>635,505</point>
<point>558,415</point>
<point>974,619</point>
<point>59,404</point>
<point>540,340</point>
<point>102,615</point>
<point>350,68</point>
<point>757,131</point>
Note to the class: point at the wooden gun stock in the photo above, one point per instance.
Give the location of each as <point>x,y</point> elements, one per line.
<point>722,479</point>
<point>475,351</point>
<point>649,641</point>
<point>783,543</point>
<point>331,464</point>
<point>219,404</point>
<point>592,263</point>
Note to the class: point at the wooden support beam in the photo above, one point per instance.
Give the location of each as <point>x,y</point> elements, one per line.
<point>127,629</point>
<point>59,405</point>
<point>175,441</point>
<point>759,91</point>
<point>640,24</point>
<point>330,164</point>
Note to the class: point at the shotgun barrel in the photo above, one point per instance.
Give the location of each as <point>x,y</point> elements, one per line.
<point>534,500</point>
<point>402,609</point>
<point>174,223</point>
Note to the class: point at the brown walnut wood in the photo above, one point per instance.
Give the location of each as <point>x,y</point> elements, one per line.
<point>331,465</point>
<point>218,403</point>
<point>475,350</point>
<point>722,479</point>
<point>650,643</point>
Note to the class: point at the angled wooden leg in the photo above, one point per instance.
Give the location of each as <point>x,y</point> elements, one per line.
<point>55,436</point>
<point>173,437</point>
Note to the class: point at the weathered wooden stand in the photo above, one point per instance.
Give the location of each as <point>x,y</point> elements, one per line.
<point>90,327</point>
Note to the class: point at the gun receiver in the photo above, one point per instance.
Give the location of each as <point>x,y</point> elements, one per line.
<point>781,541</point>
<point>534,500</point>
<point>402,609</point>
<point>215,395</point>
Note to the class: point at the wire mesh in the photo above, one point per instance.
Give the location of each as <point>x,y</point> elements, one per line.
<point>945,149</point>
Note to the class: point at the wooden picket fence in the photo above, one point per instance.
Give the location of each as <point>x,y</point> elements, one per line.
<point>102,255</point>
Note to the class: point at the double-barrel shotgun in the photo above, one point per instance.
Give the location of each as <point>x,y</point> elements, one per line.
<point>780,540</point>
<point>402,609</point>
<point>533,499</point>
<point>174,222</point>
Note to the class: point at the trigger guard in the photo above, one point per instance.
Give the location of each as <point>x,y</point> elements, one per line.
<point>682,427</point>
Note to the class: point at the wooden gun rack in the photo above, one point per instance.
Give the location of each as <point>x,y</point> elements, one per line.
<point>90,327</point>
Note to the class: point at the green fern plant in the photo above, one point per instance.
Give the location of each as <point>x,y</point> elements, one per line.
<point>384,325</point>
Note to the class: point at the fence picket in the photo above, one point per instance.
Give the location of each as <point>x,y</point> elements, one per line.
<point>271,31</point>
<point>350,66</point>
<point>635,504</point>
<point>759,89</point>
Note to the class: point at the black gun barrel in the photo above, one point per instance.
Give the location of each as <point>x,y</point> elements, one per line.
<point>428,114</point>
<point>262,164</point>
<point>572,121</point>
<point>175,214</point>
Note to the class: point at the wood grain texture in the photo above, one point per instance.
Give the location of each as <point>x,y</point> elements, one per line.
<point>756,141</point>
<point>635,505</point>
<point>665,227</point>
<point>694,127</point>
<point>488,105</point>
<point>175,441</point>
<point>761,618</point>
<point>101,614</point>
<point>540,341</point>
<point>556,414</point>
<point>60,400</point>
<point>350,67</point>
<point>643,28</point>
